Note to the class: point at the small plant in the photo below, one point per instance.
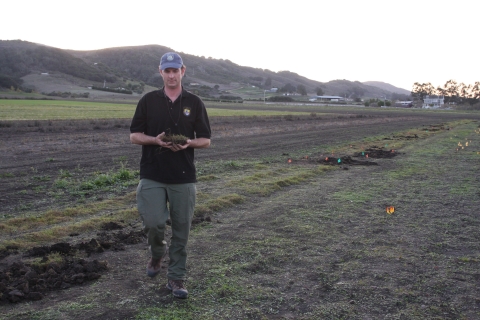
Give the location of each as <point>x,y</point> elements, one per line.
<point>65,173</point>
<point>24,207</point>
<point>61,184</point>
<point>121,159</point>
<point>7,175</point>
<point>124,174</point>
<point>233,164</point>
<point>41,178</point>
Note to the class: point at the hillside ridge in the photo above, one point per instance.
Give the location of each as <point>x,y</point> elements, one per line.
<point>137,67</point>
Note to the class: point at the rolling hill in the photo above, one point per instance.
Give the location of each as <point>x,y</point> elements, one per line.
<point>386,86</point>
<point>45,69</point>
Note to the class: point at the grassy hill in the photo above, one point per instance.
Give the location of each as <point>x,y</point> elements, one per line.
<point>386,86</point>
<point>136,69</point>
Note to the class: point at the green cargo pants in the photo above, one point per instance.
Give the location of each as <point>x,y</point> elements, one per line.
<point>155,202</point>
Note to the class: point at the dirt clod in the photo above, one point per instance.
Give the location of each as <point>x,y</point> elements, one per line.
<point>346,160</point>
<point>23,282</point>
<point>377,153</point>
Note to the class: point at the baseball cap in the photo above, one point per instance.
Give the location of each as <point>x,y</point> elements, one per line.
<point>171,60</point>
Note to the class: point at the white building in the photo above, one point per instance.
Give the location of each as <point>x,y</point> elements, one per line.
<point>327,98</point>
<point>433,102</point>
<point>404,104</point>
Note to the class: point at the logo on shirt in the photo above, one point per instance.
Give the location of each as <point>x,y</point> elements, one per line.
<point>187,111</point>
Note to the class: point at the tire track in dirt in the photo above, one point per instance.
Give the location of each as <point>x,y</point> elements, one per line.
<point>271,144</point>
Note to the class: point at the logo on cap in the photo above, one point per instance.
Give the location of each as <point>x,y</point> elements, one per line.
<point>170,57</point>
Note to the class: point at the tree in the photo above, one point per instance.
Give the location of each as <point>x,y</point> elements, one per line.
<point>399,96</point>
<point>475,92</point>
<point>302,90</point>
<point>319,91</point>
<point>280,99</point>
<point>289,88</point>
<point>451,90</point>
<point>10,82</point>
<point>268,83</point>
<point>420,90</point>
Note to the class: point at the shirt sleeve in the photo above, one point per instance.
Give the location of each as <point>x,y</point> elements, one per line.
<point>139,121</point>
<point>202,124</point>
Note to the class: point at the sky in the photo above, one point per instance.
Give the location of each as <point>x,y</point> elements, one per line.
<point>398,42</point>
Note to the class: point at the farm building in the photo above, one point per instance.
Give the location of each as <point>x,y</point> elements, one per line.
<point>404,104</point>
<point>433,102</point>
<point>327,98</point>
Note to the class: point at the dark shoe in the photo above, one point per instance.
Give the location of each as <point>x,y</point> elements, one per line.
<point>154,266</point>
<point>178,288</point>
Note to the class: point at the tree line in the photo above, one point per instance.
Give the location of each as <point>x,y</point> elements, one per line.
<point>453,92</point>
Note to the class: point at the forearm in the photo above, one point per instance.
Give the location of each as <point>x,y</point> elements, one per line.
<point>199,143</point>
<point>142,139</point>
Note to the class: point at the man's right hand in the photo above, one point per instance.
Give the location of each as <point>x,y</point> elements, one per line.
<point>160,142</point>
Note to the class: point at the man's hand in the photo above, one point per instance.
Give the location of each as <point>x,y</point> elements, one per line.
<point>172,146</point>
<point>160,142</point>
<point>142,139</point>
<point>178,147</point>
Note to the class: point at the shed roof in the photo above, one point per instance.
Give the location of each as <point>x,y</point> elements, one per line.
<point>328,97</point>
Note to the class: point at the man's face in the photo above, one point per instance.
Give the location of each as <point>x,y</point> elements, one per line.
<point>172,78</point>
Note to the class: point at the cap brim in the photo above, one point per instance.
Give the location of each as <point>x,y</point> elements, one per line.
<point>171,65</point>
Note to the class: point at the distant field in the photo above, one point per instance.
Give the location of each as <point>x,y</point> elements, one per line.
<point>56,109</point>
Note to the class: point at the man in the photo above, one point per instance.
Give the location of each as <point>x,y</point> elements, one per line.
<point>167,170</point>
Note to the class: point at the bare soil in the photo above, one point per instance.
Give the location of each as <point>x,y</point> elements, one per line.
<point>112,260</point>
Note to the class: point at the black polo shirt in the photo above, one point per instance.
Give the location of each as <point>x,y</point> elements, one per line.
<point>155,114</point>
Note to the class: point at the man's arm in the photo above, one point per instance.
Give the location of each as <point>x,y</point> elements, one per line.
<point>195,143</point>
<point>199,143</point>
<point>142,139</point>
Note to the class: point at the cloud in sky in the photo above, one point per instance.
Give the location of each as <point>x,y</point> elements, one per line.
<point>399,42</point>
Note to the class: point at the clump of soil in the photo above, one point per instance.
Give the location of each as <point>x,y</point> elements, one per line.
<point>112,226</point>
<point>406,137</point>
<point>8,251</point>
<point>175,139</point>
<point>22,282</point>
<point>376,152</point>
<point>105,241</point>
<point>345,160</point>
<point>438,127</point>
<point>197,219</point>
